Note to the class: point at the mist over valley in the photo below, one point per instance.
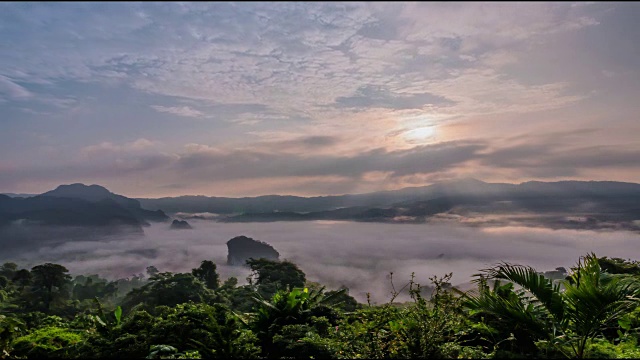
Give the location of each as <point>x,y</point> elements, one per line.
<point>479,225</point>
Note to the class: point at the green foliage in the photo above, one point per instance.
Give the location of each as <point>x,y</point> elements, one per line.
<point>167,289</point>
<point>302,342</point>
<point>169,352</point>
<point>343,300</point>
<point>162,352</point>
<point>10,329</point>
<point>213,330</point>
<point>152,271</point>
<point>48,342</point>
<point>8,270</point>
<point>49,283</point>
<point>206,273</point>
<point>619,266</point>
<point>270,276</point>
<point>426,328</point>
<point>118,315</point>
<point>295,307</point>
<point>132,338</point>
<point>515,313</point>
<point>511,319</point>
<point>240,298</point>
<point>367,333</point>
<point>87,288</point>
<point>591,300</point>
<point>432,328</point>
<point>22,278</point>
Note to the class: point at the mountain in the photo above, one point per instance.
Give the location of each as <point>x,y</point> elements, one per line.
<point>73,212</point>
<point>460,188</point>
<point>287,203</point>
<point>563,204</point>
<point>47,210</point>
<point>180,225</point>
<point>96,193</point>
<point>242,248</point>
<point>29,223</point>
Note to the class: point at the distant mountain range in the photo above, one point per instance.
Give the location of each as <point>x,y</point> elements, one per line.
<point>77,205</point>
<point>269,203</point>
<point>563,204</point>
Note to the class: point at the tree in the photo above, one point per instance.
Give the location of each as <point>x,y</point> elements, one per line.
<point>8,270</point>
<point>152,270</point>
<point>295,307</point>
<point>207,274</point>
<point>93,286</point>
<point>619,266</point>
<point>271,276</point>
<point>50,281</point>
<point>213,330</point>
<point>22,277</point>
<point>591,299</point>
<point>168,289</point>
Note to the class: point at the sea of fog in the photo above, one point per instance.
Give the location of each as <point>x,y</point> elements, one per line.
<point>359,256</point>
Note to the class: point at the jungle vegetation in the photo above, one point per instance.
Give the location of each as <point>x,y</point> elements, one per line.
<point>592,311</point>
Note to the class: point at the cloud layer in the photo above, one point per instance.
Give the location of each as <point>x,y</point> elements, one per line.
<point>249,80</point>
<point>357,255</point>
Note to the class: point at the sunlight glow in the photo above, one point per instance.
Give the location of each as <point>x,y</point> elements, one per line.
<point>420,134</point>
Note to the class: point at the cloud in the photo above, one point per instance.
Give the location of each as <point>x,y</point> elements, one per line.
<point>374,97</point>
<point>185,111</point>
<point>215,163</point>
<point>357,255</point>
<point>555,159</point>
<point>343,76</point>
<point>292,58</point>
<point>297,144</point>
<point>107,147</point>
<point>293,159</point>
<point>12,90</point>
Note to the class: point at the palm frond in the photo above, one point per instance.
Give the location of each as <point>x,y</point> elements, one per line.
<point>538,285</point>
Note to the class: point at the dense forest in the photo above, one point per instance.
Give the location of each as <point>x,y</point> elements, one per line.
<point>590,311</point>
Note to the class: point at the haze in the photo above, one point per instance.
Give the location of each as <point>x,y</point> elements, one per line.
<point>357,255</point>
<point>243,99</point>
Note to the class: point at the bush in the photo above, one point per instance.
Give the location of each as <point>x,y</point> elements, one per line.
<point>48,342</point>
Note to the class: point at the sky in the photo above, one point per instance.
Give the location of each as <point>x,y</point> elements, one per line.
<point>244,99</point>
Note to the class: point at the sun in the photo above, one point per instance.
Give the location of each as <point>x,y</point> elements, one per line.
<point>420,134</point>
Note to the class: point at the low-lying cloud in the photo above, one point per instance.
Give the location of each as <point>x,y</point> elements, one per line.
<point>357,255</point>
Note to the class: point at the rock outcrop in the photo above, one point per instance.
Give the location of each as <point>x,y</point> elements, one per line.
<point>242,248</point>
<point>180,224</point>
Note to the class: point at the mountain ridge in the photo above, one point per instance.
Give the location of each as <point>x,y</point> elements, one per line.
<point>292,203</point>
<point>96,193</point>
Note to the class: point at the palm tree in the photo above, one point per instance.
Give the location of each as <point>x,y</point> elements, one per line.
<point>573,311</point>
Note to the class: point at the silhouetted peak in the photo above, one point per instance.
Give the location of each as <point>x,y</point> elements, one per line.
<point>78,190</point>
<point>242,248</point>
<point>467,181</point>
<point>180,224</point>
<point>462,184</point>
